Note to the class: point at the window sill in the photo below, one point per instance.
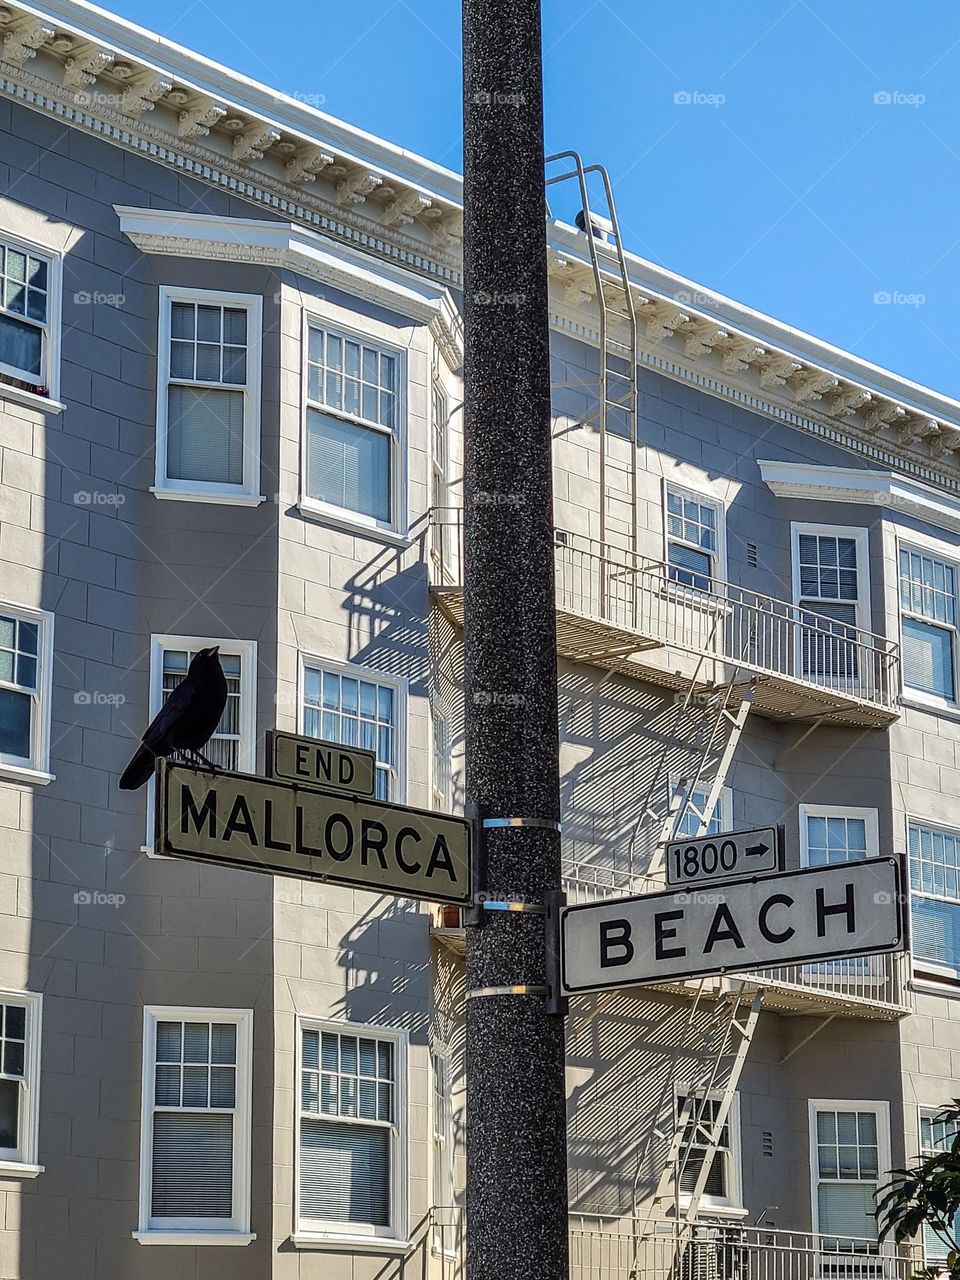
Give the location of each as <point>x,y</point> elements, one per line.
<point>14,1169</point>
<point>722,1211</point>
<point>358,527</point>
<point>21,773</point>
<point>225,499</point>
<point>195,1237</point>
<point>43,403</point>
<point>375,1244</point>
<point>933,706</point>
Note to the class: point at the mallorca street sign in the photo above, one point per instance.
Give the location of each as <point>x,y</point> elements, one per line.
<point>280,828</point>
<point>315,763</point>
<point>820,913</point>
<point>721,857</point>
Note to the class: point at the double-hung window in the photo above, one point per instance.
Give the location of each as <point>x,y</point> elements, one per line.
<point>442,1152</point>
<point>935,898</point>
<point>350,1131</point>
<point>438,471</point>
<point>722,1188</point>
<point>442,764</point>
<point>208,389</point>
<point>830,588</point>
<point>356,708</point>
<point>27,316</point>
<point>195,1128</point>
<point>353,462</point>
<point>849,1153</point>
<point>694,533</point>
<point>928,620</point>
<point>936,1136</point>
<point>19,1081</point>
<point>26,648</point>
<point>830,835</point>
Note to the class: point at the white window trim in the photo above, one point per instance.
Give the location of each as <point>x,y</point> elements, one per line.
<point>724,804</point>
<point>23,1162</point>
<point>923,1153</point>
<point>247,746</point>
<point>881,1110</point>
<point>400,686</point>
<point>199,1231</point>
<point>871,819</point>
<point>732,1204</point>
<point>706,498</point>
<point>310,1233</point>
<point>51,330</point>
<point>396,530</point>
<point>36,769</point>
<point>442,1051</point>
<point>949,555</point>
<point>930,968</point>
<point>861,537</point>
<point>442,803</point>
<point>247,492</point>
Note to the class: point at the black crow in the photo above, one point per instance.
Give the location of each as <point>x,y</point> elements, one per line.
<point>186,720</point>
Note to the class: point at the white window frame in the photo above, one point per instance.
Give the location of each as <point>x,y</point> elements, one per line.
<point>860,535</point>
<point>928,966</point>
<point>395,529</point>
<point>441,788</point>
<point>924,1153</point>
<point>198,1231</point>
<point>881,1110</point>
<point>948,555</point>
<point>36,766</point>
<point>718,570</point>
<point>871,818</point>
<point>730,1205</point>
<point>401,690</point>
<point>21,1161</point>
<point>313,1232</point>
<point>444,1241</point>
<point>51,329</point>
<point>724,809</point>
<point>246,650</point>
<point>439,470</point>
<point>247,492</point>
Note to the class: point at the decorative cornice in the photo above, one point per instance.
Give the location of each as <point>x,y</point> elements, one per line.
<point>287,247</point>
<point>870,488</point>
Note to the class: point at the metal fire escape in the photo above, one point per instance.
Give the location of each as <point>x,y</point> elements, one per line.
<point>725,1023</point>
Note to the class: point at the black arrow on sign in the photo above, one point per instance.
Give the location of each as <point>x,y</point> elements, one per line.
<point>755,850</point>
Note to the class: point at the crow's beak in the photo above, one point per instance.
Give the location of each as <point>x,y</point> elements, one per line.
<point>216,648</point>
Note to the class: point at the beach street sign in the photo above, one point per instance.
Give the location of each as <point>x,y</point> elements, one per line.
<point>277,827</point>
<point>695,859</point>
<point>312,762</point>
<point>820,913</point>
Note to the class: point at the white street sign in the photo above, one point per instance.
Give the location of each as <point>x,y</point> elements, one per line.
<point>820,913</point>
<point>695,859</point>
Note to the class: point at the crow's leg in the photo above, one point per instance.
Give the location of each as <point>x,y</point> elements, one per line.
<point>207,764</point>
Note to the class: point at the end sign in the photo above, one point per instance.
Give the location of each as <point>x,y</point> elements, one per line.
<point>820,913</point>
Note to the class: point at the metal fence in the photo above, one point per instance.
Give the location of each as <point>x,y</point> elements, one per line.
<point>701,614</point>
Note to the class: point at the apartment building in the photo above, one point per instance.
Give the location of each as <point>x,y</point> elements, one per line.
<point>230,351</point>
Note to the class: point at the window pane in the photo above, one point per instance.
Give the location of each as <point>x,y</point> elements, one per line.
<point>192,1165</point>
<point>344,1173</point>
<point>348,465</point>
<point>205,435</point>
<point>196,1042</point>
<point>167,1089</point>
<point>928,658</point>
<point>14,1021</point>
<point>223,1086</point>
<point>21,345</point>
<point>15,716</point>
<point>223,1042</point>
<point>688,566</point>
<point>9,1114</point>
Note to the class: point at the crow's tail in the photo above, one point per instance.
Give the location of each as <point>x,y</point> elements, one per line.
<point>139,770</point>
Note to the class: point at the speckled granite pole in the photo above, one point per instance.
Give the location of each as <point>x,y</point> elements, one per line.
<point>516,1109</point>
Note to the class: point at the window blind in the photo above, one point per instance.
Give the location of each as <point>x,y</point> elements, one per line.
<point>192,1165</point>
<point>348,465</point>
<point>828,647</point>
<point>205,435</point>
<point>928,658</point>
<point>344,1172</point>
<point>846,1210</point>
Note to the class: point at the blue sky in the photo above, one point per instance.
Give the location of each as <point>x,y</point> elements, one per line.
<point>815,170</point>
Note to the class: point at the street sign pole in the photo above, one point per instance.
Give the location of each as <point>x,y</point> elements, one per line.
<point>516,1106</point>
